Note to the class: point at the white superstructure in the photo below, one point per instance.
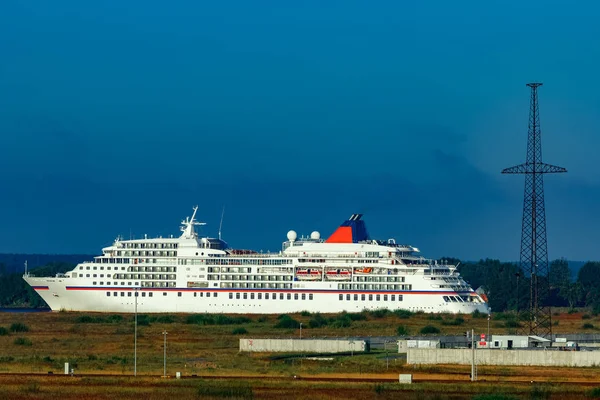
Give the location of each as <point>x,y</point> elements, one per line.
<point>192,274</point>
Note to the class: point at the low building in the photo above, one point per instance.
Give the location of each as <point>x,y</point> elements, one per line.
<point>304,345</point>
<point>517,342</point>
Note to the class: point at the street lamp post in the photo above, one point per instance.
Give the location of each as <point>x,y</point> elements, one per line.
<point>135,293</point>
<point>300,330</point>
<point>165,354</point>
<point>387,359</point>
<point>488,333</point>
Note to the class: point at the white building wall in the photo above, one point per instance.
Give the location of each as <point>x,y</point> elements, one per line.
<point>301,345</point>
<point>504,357</point>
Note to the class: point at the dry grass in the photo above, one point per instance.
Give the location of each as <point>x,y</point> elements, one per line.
<point>43,387</point>
<point>107,347</point>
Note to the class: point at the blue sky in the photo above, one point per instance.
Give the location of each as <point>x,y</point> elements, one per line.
<point>118,117</point>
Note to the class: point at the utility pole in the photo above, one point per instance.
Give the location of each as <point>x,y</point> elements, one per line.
<point>135,292</point>
<point>300,330</point>
<point>165,354</point>
<point>534,245</point>
<point>488,333</point>
<point>473,355</point>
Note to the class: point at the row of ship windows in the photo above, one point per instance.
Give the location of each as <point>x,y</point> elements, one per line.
<point>107,260</point>
<point>379,279</point>
<point>456,288</point>
<point>256,285</point>
<point>250,277</point>
<point>143,253</point>
<point>246,261</point>
<point>323,261</point>
<point>129,294</point>
<point>242,270</point>
<point>273,296</point>
<point>259,296</point>
<point>144,284</point>
<point>150,294</point>
<point>145,276</point>
<point>362,286</point>
<point>129,276</point>
<point>363,297</point>
<point>150,245</point>
<point>133,269</point>
<point>456,299</point>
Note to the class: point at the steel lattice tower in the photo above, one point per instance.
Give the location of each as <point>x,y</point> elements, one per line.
<point>534,247</point>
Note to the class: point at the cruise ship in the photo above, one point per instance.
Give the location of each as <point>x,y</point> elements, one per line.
<point>348,271</point>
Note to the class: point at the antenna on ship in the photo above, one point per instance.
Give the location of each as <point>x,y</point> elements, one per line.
<point>25,267</point>
<point>221,224</point>
<point>188,225</point>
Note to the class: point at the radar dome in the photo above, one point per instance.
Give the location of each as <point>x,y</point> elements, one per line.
<point>315,235</point>
<point>292,235</point>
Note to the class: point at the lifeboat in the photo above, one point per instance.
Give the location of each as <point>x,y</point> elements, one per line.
<point>339,274</point>
<point>363,271</point>
<point>308,274</point>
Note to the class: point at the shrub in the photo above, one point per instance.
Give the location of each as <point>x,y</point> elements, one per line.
<point>402,331</point>
<point>342,321</point>
<point>586,316</point>
<point>143,320</point>
<point>215,319</point>
<point>305,313</point>
<point>478,315</point>
<point>429,329</point>
<point>221,319</point>
<point>224,389</point>
<point>199,319</point>
<point>501,316</point>
<point>555,323</point>
<point>114,319</point>
<point>454,322</point>
<point>539,391</point>
<point>380,313</point>
<point>572,311</point>
<point>595,393</point>
<point>21,341</point>
<point>262,319</point>
<point>239,331</point>
<point>379,388</point>
<point>165,319</point>
<point>317,321</point>
<point>434,317</point>
<point>588,326</point>
<point>19,327</point>
<point>287,322</point>
<point>87,319</point>
<point>511,323</point>
<point>3,331</point>
<point>495,396</point>
<point>403,314</point>
<point>357,316</point>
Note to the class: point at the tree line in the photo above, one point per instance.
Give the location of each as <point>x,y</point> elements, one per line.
<point>15,292</point>
<point>507,286</point>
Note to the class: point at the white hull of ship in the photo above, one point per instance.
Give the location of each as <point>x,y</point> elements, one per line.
<point>95,299</point>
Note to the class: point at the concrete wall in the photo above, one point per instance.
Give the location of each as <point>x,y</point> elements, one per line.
<point>403,345</point>
<point>301,345</point>
<point>504,357</point>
